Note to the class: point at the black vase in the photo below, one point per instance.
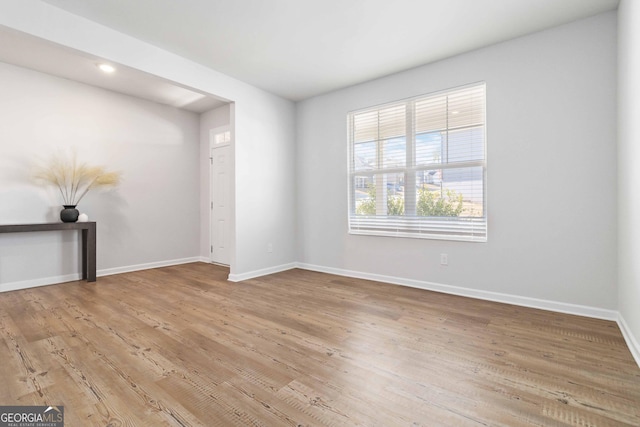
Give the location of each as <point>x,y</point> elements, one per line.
<point>69,213</point>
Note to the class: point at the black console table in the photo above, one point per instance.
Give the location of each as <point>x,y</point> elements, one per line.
<point>88,240</point>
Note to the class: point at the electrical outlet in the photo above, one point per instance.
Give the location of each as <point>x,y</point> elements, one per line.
<point>270,247</point>
<point>444,259</point>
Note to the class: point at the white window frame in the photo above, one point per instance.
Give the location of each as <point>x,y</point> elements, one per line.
<point>472,229</point>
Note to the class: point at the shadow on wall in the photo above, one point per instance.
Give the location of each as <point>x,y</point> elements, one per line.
<point>24,204</point>
<point>108,210</point>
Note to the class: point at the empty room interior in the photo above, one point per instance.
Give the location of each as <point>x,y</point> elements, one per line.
<point>320,213</point>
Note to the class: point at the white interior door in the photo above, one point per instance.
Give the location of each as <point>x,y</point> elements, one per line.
<point>220,195</point>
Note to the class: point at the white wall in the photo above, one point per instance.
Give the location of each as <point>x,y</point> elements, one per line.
<point>265,187</point>
<point>551,171</point>
<point>552,159</point>
<point>264,127</point>
<point>628,171</point>
<point>215,118</point>
<point>154,146</point>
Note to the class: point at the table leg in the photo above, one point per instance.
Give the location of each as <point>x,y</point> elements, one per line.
<point>89,253</point>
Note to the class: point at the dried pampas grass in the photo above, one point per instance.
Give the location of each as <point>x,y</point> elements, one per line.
<point>73,178</point>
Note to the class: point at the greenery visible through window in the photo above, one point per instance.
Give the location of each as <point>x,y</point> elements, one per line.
<point>430,203</point>
<point>417,167</point>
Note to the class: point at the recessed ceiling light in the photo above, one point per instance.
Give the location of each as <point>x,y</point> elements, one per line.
<point>455,112</point>
<point>106,68</point>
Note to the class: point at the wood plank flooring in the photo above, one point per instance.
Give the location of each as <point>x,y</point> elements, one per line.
<point>181,346</point>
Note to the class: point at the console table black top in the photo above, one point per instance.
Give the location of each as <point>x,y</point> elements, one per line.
<point>46,226</point>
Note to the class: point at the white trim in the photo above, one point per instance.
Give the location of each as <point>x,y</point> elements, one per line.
<point>55,280</point>
<point>263,272</point>
<point>560,307</point>
<point>632,343</point>
<point>146,266</point>
<point>42,281</point>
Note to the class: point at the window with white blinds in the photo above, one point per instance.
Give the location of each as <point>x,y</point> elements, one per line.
<point>417,167</point>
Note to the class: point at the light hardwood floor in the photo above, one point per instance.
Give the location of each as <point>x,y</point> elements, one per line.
<point>181,346</point>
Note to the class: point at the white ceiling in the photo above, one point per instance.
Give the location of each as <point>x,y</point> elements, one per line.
<point>34,53</point>
<point>301,48</point>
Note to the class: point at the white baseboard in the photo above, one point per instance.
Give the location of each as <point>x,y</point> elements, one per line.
<point>34,283</point>
<point>632,343</point>
<point>146,266</point>
<point>262,272</point>
<point>54,280</point>
<point>560,307</point>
